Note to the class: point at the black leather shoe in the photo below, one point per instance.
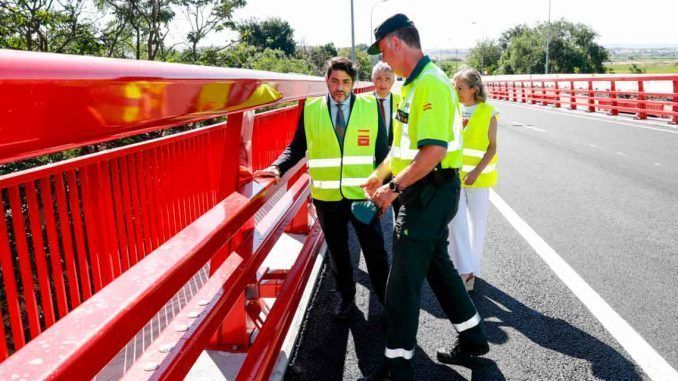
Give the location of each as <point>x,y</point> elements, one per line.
<point>381,375</point>
<point>344,310</point>
<point>463,350</point>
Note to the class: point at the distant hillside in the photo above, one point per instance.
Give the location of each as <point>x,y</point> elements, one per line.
<point>447,54</point>
<point>631,53</point>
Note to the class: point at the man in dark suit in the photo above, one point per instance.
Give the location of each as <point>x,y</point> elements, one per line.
<point>344,138</point>
<point>383,79</point>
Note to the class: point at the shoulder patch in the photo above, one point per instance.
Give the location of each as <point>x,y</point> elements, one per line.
<point>427,106</point>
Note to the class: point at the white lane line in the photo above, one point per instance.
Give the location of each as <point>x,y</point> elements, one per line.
<point>657,164</point>
<point>642,353</point>
<point>600,119</point>
<point>622,154</point>
<point>593,145</point>
<point>518,124</point>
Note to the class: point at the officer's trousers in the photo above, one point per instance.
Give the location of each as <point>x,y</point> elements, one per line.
<point>421,252</point>
<point>334,217</point>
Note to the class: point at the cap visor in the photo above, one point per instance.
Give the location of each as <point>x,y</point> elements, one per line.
<point>374,48</point>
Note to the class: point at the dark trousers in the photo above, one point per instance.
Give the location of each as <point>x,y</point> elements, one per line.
<point>334,217</point>
<point>421,253</point>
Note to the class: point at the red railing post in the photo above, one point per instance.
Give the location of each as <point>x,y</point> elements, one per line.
<point>232,334</point>
<point>523,98</point>
<point>641,101</point>
<point>613,98</point>
<point>674,118</point>
<point>591,96</point>
<point>544,101</point>
<point>515,91</point>
<point>531,94</point>
<point>557,94</point>
<point>573,96</point>
<point>299,223</point>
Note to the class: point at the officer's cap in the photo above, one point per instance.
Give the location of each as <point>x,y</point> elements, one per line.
<point>391,24</point>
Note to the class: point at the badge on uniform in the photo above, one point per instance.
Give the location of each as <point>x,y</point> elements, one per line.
<point>402,116</point>
<point>363,138</point>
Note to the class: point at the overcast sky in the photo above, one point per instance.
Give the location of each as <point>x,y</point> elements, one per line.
<point>449,24</point>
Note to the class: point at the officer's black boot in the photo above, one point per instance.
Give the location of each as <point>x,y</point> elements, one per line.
<point>381,375</point>
<point>344,309</point>
<point>470,343</point>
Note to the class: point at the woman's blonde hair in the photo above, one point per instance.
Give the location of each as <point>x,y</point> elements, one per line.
<point>471,77</point>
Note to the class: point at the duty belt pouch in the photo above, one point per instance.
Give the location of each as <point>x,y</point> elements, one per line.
<point>440,177</point>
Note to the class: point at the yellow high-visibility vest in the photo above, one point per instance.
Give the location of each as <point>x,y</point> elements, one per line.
<point>337,172</point>
<point>476,142</point>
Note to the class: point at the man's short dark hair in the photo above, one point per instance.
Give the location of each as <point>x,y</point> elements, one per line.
<point>343,64</point>
<point>410,35</point>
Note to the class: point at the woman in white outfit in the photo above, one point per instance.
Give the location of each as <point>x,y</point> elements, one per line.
<point>479,173</point>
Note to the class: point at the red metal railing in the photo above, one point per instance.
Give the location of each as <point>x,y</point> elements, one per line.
<point>642,95</point>
<point>91,248</point>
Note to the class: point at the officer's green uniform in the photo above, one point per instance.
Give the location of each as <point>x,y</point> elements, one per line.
<point>428,114</point>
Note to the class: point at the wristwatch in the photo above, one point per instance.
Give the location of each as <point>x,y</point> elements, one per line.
<point>394,187</point>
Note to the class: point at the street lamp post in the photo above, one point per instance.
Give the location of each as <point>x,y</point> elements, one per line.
<point>371,12</point>
<point>548,40</point>
<point>352,34</point>
<point>482,48</point>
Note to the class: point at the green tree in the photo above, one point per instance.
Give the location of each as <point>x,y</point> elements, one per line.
<point>572,49</point>
<point>485,56</point>
<point>145,22</point>
<point>317,56</point>
<point>362,61</point>
<point>636,69</point>
<point>46,26</point>
<point>206,16</point>
<point>449,67</point>
<point>273,33</point>
<point>276,60</point>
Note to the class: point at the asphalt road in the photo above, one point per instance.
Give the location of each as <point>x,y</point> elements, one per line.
<point>602,192</point>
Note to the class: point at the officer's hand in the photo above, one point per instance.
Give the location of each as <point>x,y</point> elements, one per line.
<point>471,177</point>
<point>373,182</point>
<point>271,171</point>
<point>384,197</point>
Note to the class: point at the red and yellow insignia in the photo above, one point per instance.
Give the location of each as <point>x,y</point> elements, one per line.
<point>363,138</point>
<point>427,106</point>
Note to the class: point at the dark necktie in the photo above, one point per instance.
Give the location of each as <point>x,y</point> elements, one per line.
<point>382,109</point>
<point>340,124</point>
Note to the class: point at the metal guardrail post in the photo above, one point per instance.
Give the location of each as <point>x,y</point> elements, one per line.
<point>613,98</point>
<point>641,100</point>
<point>557,87</point>
<point>591,101</point>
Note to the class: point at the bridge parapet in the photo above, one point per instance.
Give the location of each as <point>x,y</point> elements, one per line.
<point>642,95</point>
<point>93,247</point>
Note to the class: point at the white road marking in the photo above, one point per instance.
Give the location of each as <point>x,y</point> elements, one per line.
<point>657,164</point>
<point>518,124</point>
<point>622,154</point>
<point>671,130</point>
<point>642,353</point>
<point>593,146</point>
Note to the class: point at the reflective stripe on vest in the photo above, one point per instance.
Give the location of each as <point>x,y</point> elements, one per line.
<point>334,175</point>
<point>476,141</point>
<point>403,153</point>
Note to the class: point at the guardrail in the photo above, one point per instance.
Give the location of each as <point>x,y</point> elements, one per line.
<point>93,247</point>
<point>642,95</point>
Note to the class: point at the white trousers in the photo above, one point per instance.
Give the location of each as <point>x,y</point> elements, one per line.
<point>467,230</point>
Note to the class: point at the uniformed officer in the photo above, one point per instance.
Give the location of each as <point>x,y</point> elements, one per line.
<point>424,160</point>
<point>343,135</point>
